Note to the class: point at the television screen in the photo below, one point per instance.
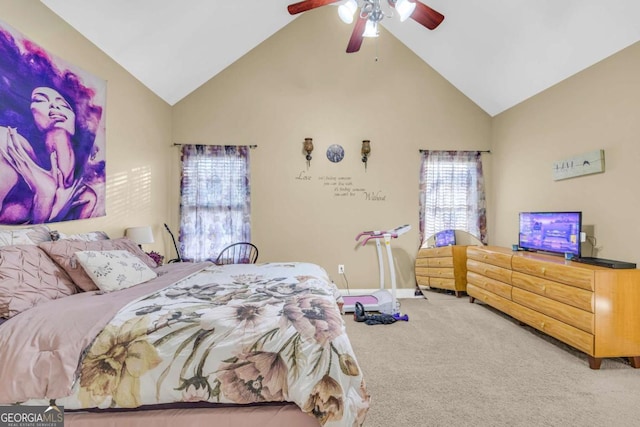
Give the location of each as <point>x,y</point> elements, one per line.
<point>555,232</point>
<point>445,238</point>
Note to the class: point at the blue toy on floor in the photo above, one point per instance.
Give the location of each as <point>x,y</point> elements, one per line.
<point>360,315</point>
<point>404,317</point>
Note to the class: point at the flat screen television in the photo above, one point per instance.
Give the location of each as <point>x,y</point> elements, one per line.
<point>553,232</point>
<point>445,238</point>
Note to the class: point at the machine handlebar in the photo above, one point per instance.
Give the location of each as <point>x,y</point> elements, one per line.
<point>381,234</point>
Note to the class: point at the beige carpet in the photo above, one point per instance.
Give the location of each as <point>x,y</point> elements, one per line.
<point>460,364</point>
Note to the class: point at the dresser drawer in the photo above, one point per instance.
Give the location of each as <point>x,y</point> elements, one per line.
<point>494,286</point>
<point>495,301</point>
<point>488,256</point>
<point>576,297</point>
<point>489,270</point>
<point>567,314</point>
<point>575,337</point>
<point>569,274</point>
<point>444,251</point>
<point>422,271</point>
<point>441,262</point>
<point>446,273</point>
<point>422,280</point>
<point>422,263</point>
<point>442,283</point>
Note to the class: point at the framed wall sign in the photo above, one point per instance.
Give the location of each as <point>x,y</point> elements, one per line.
<point>583,164</point>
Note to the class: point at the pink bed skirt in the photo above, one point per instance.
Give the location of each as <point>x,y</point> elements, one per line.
<point>250,416</point>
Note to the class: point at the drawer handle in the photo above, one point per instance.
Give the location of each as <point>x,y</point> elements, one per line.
<point>544,270</point>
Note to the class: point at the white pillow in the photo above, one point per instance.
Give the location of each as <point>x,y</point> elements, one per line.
<point>25,236</point>
<point>92,236</point>
<point>114,270</point>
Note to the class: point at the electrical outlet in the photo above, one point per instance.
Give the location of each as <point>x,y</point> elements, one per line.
<point>340,268</point>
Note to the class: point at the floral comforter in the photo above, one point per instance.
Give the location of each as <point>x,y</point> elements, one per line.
<point>232,334</point>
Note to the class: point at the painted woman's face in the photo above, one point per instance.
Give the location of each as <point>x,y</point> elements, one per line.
<point>51,111</point>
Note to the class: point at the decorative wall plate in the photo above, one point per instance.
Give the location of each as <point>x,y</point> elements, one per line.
<point>335,153</point>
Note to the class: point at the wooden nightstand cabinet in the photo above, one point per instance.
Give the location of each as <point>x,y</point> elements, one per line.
<point>593,309</point>
<point>443,268</point>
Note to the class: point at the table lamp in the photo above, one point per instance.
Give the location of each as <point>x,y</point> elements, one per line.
<point>140,235</point>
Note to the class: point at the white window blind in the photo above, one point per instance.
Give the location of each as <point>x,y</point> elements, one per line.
<point>453,195</point>
<point>215,200</point>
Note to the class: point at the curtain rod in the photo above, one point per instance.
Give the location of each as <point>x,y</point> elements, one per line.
<point>176,144</point>
<point>477,151</point>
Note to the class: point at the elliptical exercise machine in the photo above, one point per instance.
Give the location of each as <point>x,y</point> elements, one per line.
<point>381,300</point>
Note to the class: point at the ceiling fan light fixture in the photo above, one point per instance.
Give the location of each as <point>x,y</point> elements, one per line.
<point>370,12</point>
<point>370,29</point>
<point>346,11</point>
<point>405,8</point>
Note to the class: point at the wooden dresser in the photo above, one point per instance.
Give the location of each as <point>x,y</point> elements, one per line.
<point>443,268</point>
<point>593,309</point>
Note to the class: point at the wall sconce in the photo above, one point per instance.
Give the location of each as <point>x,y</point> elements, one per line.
<point>366,150</point>
<point>308,148</point>
<point>140,235</point>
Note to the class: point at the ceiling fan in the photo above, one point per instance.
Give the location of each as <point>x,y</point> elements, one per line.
<point>371,14</point>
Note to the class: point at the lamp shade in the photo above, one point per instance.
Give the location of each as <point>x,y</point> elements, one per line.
<point>140,235</point>
<point>405,8</point>
<point>370,29</point>
<point>346,11</point>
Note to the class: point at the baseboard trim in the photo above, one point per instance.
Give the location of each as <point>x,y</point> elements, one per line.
<point>400,293</point>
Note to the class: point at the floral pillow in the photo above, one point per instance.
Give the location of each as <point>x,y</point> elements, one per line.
<point>63,252</point>
<point>114,270</point>
<point>25,236</point>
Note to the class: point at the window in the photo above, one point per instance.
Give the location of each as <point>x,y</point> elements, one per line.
<point>215,200</point>
<point>452,193</point>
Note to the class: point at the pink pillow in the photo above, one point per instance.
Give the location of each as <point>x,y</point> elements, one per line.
<point>28,277</point>
<point>63,251</point>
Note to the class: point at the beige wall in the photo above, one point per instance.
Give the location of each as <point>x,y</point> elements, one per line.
<point>138,127</point>
<point>595,109</point>
<point>301,83</point>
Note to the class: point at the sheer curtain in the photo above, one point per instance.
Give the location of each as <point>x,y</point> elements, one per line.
<point>452,193</point>
<point>214,199</point>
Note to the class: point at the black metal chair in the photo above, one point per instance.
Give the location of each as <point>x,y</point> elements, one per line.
<point>238,253</point>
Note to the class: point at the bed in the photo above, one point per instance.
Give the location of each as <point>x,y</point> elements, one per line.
<point>237,345</point>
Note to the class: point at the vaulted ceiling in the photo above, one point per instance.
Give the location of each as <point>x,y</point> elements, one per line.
<point>497,52</point>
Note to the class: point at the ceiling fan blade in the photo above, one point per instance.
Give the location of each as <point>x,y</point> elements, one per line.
<point>426,16</point>
<point>356,36</point>
<point>305,5</point>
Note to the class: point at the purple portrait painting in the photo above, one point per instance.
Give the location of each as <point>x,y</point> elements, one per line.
<point>52,136</point>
